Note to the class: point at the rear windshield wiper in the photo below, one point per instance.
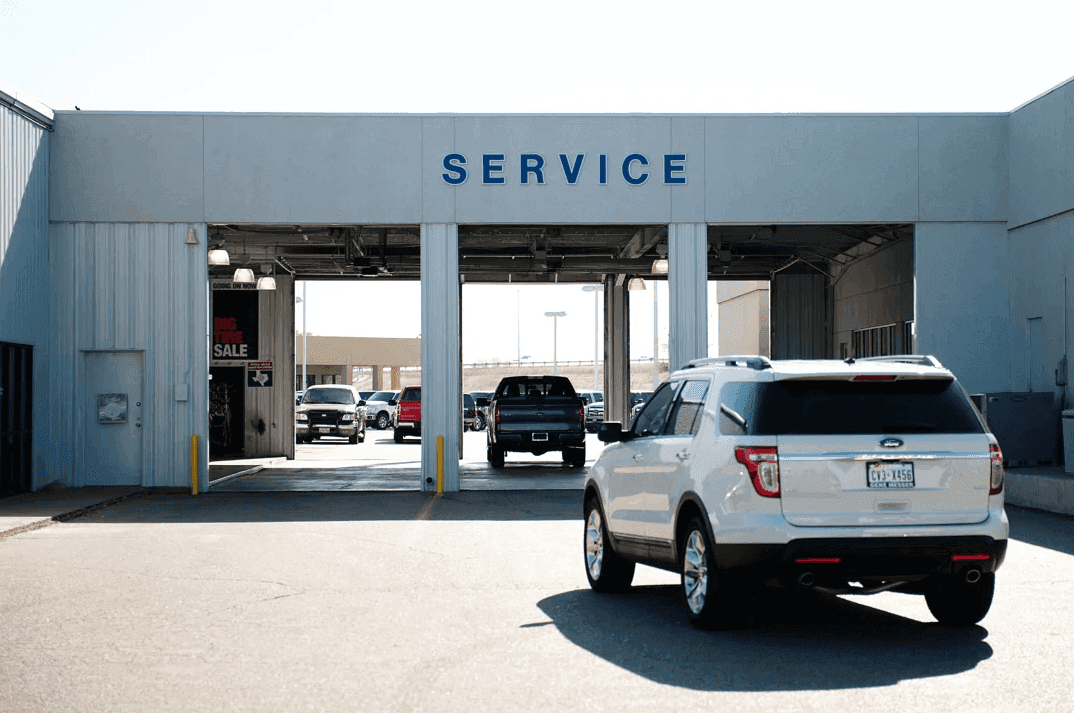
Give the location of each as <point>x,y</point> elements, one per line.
<point>734,416</point>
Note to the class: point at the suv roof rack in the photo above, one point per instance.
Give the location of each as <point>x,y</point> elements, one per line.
<point>919,359</point>
<point>753,362</point>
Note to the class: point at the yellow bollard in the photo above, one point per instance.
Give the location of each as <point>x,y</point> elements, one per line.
<point>439,464</point>
<point>193,465</point>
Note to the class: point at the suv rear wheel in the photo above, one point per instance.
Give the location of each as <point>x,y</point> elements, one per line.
<point>606,570</point>
<point>957,602</point>
<point>705,590</point>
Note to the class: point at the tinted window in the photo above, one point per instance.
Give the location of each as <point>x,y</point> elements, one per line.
<point>468,402</point>
<point>805,407</point>
<point>382,396</point>
<point>412,395</point>
<point>328,396</point>
<point>686,418</point>
<point>654,416</point>
<point>544,386</point>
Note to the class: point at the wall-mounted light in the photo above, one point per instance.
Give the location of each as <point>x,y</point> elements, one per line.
<point>218,256</point>
<point>191,237</point>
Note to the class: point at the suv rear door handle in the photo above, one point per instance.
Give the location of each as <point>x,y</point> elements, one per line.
<point>682,455</point>
<point>638,457</point>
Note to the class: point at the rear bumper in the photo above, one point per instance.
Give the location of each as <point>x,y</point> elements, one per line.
<point>525,441</point>
<point>855,559</point>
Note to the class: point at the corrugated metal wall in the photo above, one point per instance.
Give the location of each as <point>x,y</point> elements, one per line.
<point>275,406</point>
<point>801,326</point>
<point>24,259</point>
<point>132,287</point>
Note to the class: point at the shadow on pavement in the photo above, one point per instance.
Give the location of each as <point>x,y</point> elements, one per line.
<point>800,642</point>
<point>342,506</point>
<point>1043,529</point>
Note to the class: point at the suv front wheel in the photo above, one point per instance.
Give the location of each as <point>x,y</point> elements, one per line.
<point>705,589</point>
<point>606,570</point>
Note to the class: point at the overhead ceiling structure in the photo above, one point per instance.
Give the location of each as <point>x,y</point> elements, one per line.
<point>543,253</point>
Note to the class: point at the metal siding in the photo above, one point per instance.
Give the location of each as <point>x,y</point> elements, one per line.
<point>24,260</point>
<point>276,405</point>
<point>800,322</point>
<point>439,352</point>
<point>132,286</point>
<point>687,292</point>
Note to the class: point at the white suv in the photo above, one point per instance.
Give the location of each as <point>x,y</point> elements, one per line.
<point>854,476</point>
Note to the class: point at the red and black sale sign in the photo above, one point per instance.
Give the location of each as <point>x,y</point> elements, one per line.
<point>234,324</point>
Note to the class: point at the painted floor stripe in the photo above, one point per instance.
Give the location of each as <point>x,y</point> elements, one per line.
<point>427,510</point>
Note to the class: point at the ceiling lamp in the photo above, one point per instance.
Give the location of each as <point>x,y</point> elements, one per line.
<point>218,256</point>
<point>244,276</point>
<point>660,266</point>
<point>635,284</point>
<point>268,282</point>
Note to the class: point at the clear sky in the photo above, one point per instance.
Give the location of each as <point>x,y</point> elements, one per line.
<point>555,56</point>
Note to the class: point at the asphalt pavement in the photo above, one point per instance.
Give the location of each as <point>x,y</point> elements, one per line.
<point>474,601</point>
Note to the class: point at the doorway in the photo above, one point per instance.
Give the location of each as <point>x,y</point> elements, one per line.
<point>16,417</point>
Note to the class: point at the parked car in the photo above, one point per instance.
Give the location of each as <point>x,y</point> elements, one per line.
<point>379,410</point>
<point>638,400</point>
<point>594,409</point>
<point>330,410</point>
<point>408,414</point>
<point>469,412</point>
<point>481,403</point>
<point>536,414</point>
<point>298,397</point>
<point>844,477</point>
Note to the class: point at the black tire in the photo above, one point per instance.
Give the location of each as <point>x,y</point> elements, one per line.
<point>479,422</point>
<point>574,457</point>
<point>383,421</point>
<point>361,435</point>
<point>706,591</point>
<point>495,455</point>
<point>605,569</point>
<point>956,602</point>
<point>398,436</point>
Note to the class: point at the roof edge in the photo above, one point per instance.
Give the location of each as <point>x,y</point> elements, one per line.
<point>1043,94</point>
<point>30,108</point>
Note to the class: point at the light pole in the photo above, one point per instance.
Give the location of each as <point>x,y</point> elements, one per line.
<point>555,324</point>
<point>596,331</point>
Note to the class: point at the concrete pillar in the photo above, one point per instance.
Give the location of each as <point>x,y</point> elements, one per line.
<point>440,345</point>
<point>688,324</point>
<point>616,349</point>
<point>348,374</point>
<point>396,378</point>
<point>377,378</point>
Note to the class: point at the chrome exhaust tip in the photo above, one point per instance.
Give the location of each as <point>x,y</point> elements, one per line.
<point>973,576</point>
<point>806,579</point>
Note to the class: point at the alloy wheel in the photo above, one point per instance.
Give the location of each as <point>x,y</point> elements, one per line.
<point>695,572</point>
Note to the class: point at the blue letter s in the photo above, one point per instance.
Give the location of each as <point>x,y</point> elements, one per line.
<point>453,164</point>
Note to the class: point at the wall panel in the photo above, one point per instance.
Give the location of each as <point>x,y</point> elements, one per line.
<point>132,286</point>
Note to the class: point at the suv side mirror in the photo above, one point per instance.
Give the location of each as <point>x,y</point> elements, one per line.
<point>612,432</point>
<point>361,402</point>
<point>393,402</point>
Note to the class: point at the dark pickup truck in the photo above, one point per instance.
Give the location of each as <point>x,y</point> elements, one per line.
<point>536,414</point>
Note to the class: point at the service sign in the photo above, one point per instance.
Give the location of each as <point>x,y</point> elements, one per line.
<point>235,322</point>
<point>634,169</point>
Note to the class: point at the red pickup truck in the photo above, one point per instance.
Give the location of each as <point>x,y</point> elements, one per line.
<point>408,414</point>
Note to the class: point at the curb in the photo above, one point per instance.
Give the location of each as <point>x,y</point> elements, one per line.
<point>70,514</point>
<point>248,471</point>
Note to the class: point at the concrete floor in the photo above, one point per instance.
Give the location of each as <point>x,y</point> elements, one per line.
<point>381,464</point>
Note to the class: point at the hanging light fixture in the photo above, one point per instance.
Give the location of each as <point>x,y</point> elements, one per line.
<point>218,256</point>
<point>635,284</point>
<point>660,264</point>
<point>244,275</point>
<point>268,282</point>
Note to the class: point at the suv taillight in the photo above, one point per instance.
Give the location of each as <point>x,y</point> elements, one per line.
<point>581,414</point>
<point>496,415</point>
<point>763,466</point>
<point>995,482</point>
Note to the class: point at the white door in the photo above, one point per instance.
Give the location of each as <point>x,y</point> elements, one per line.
<point>113,418</point>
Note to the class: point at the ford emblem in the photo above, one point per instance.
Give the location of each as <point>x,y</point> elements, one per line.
<point>891,443</point>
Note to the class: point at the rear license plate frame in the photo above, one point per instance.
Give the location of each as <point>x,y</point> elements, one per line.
<point>890,475</point>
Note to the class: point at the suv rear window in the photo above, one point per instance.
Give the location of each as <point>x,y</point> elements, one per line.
<point>411,395</point>
<point>823,407</point>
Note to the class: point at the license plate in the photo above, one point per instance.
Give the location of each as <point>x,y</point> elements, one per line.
<point>324,429</point>
<point>886,474</point>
